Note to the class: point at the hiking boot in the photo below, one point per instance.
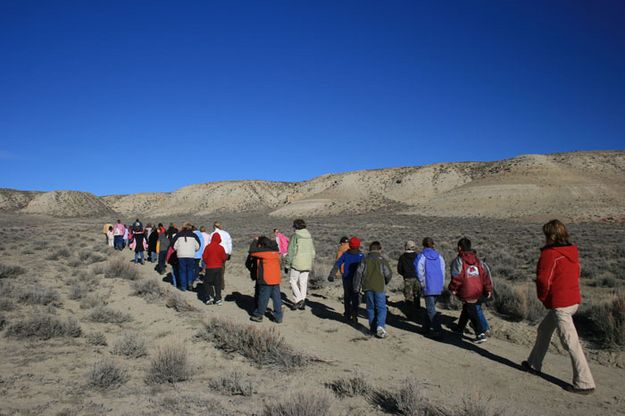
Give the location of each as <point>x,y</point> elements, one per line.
<point>301,305</point>
<point>527,367</point>
<point>572,389</point>
<point>219,302</point>
<point>256,318</point>
<point>381,332</point>
<point>480,339</point>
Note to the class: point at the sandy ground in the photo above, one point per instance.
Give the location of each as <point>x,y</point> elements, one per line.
<point>49,377</point>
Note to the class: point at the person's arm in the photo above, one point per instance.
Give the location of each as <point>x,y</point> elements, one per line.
<point>357,280</point>
<point>442,267</point>
<point>291,253</point>
<point>455,270</point>
<point>544,274</point>
<point>336,267</point>
<point>386,272</point>
<point>421,270</point>
<point>400,265</point>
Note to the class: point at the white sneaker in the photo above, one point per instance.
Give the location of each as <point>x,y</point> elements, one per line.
<point>381,332</point>
<point>219,302</point>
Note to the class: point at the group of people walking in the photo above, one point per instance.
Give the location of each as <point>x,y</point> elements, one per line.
<point>194,253</point>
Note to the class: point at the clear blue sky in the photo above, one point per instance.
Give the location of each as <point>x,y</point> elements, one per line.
<point>132,96</point>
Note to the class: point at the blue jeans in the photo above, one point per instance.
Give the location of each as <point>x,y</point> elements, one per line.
<point>464,318</point>
<point>376,309</point>
<point>118,242</point>
<point>351,300</point>
<point>264,293</point>
<point>431,319</point>
<point>139,257</point>
<point>186,268</point>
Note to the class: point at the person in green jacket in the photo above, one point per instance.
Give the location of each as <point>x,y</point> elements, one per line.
<point>299,261</point>
<point>372,276</point>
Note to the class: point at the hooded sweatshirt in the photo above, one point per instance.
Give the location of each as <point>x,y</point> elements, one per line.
<point>186,243</point>
<point>301,251</point>
<point>469,277</point>
<point>557,276</point>
<point>373,273</point>
<point>214,254</point>
<point>431,271</point>
<point>266,264</point>
<point>348,263</point>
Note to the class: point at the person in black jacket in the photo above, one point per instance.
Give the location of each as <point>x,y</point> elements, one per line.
<point>406,268</point>
<point>152,240</point>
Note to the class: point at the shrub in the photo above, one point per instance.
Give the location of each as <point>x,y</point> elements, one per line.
<point>76,291</point>
<point>300,404</point>
<point>350,387</point>
<point>119,268</point>
<point>60,253</point>
<point>408,400</point>
<point>150,289</point>
<point>96,338</point>
<point>6,304</point>
<point>44,327</point>
<point>517,302</point>
<point>605,321</point>
<point>175,301</point>
<point>89,257</point>
<point>131,345</point>
<point>169,365</point>
<point>3,322</point>
<point>38,295</point>
<point>261,346</point>
<point>94,301</point>
<point>106,375</point>
<point>8,272</point>
<point>104,314</point>
<point>233,384</point>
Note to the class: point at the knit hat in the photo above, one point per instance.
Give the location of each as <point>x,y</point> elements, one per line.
<point>354,243</point>
<point>410,245</point>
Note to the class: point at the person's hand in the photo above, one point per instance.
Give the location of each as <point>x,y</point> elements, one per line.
<point>286,270</point>
<point>330,278</point>
<point>489,295</point>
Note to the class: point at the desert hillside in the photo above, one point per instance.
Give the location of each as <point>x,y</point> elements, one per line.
<point>582,186</point>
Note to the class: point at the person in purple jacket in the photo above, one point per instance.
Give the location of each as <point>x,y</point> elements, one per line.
<point>430,267</point>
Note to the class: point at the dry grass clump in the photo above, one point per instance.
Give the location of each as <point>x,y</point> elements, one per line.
<point>106,375</point>
<point>149,289</point>
<point>59,253</point>
<point>307,403</point>
<point>104,314</point>
<point>119,268</point>
<point>175,301</point>
<point>94,301</point>
<point>605,321</point>
<point>6,304</point>
<point>232,384</point>
<point>264,347</point>
<point>517,303</point>
<point>97,339</point>
<point>350,387</point>
<point>9,271</point>
<point>44,327</point>
<point>408,400</point>
<point>131,345</point>
<point>3,322</point>
<point>90,257</point>
<point>38,295</point>
<point>169,365</point>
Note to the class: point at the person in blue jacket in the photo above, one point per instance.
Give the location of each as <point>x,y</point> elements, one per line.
<point>350,261</point>
<point>430,267</point>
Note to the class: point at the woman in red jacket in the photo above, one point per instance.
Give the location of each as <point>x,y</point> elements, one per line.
<point>214,257</point>
<point>557,286</point>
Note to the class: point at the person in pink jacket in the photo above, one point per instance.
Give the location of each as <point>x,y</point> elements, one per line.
<point>282,241</point>
<point>118,235</point>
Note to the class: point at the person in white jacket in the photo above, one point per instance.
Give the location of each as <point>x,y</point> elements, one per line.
<point>226,243</point>
<point>186,243</point>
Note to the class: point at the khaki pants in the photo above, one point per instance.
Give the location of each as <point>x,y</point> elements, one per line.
<point>562,320</point>
<point>299,284</point>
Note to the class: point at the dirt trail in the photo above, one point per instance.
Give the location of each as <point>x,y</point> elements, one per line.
<point>49,377</point>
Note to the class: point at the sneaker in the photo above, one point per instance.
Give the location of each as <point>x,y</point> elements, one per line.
<point>278,321</point>
<point>480,339</point>
<point>354,319</point>
<point>527,367</point>
<point>209,301</point>
<point>294,306</point>
<point>219,302</point>
<point>381,332</point>
<point>256,318</point>
<point>301,305</point>
<point>572,389</point>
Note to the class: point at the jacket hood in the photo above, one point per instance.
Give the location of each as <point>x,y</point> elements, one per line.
<point>215,239</point>
<point>468,257</point>
<point>568,251</point>
<point>304,233</point>
<point>430,253</point>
